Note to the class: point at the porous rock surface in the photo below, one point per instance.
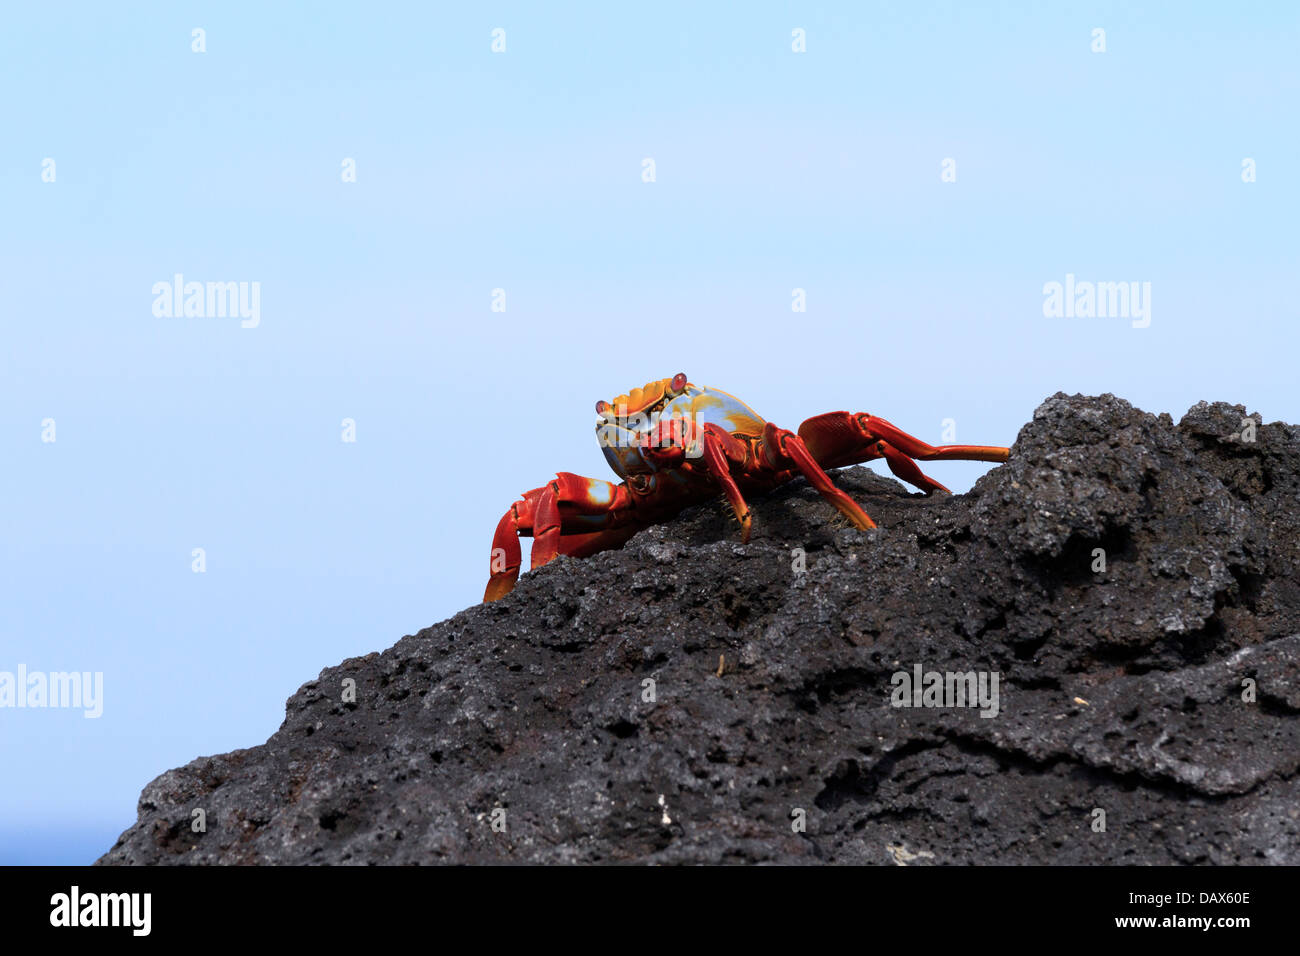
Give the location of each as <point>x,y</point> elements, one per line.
<point>689,699</point>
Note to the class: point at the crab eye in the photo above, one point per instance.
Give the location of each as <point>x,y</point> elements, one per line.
<point>678,383</point>
<point>602,408</point>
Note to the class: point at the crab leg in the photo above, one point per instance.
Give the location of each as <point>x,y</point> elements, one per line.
<point>585,545</point>
<point>903,467</point>
<point>844,438</point>
<point>721,452</point>
<point>784,449</point>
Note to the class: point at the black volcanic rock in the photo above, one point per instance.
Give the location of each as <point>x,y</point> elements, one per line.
<point>1164,690</point>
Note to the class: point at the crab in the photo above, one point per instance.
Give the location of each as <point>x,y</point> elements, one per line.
<point>675,445</point>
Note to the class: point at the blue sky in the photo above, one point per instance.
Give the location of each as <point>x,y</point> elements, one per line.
<point>522,170</point>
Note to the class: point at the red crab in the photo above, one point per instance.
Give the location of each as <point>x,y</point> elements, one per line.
<point>675,444</point>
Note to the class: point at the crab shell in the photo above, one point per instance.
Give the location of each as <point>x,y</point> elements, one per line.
<point>625,422</point>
